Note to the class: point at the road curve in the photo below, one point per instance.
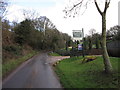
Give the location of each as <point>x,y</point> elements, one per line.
<point>36,73</point>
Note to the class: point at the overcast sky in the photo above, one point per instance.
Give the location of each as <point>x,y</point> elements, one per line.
<point>53,9</point>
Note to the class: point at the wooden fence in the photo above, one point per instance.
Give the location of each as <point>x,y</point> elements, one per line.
<point>114,48</point>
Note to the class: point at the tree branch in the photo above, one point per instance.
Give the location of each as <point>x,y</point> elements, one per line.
<point>85,6</point>
<point>76,5</point>
<point>98,7</point>
<point>105,9</point>
<point>106,5</point>
<point>109,2</point>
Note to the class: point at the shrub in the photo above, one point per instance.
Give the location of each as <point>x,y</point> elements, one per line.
<point>88,58</point>
<point>13,49</point>
<point>97,43</point>
<point>63,52</point>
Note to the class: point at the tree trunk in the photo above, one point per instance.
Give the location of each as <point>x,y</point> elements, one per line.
<point>66,45</point>
<point>0,40</point>
<point>108,66</point>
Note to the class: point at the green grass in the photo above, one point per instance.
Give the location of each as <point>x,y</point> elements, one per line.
<point>93,46</point>
<point>12,64</point>
<point>54,54</point>
<point>69,48</point>
<point>75,74</point>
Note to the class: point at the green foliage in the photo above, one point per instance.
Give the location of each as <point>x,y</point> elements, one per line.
<point>30,33</point>
<point>90,43</point>
<point>97,43</point>
<point>74,74</point>
<point>55,40</point>
<point>63,52</point>
<point>13,48</point>
<point>10,52</point>
<point>77,42</point>
<point>36,39</point>
<point>5,25</point>
<point>85,44</point>
<point>22,32</point>
<point>113,33</point>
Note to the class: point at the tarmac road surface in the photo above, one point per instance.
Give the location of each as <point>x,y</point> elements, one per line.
<point>34,73</point>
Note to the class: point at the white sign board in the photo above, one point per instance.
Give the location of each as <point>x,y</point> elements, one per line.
<point>77,34</point>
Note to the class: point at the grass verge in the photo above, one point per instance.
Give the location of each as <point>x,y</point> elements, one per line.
<point>54,54</point>
<point>12,64</point>
<point>75,74</point>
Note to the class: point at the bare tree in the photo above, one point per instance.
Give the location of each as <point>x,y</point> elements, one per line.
<point>3,6</point>
<point>92,31</point>
<point>30,14</point>
<point>74,8</point>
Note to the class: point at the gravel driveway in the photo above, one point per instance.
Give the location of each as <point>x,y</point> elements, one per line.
<point>53,59</point>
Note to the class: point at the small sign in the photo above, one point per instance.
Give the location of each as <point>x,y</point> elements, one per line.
<point>79,46</point>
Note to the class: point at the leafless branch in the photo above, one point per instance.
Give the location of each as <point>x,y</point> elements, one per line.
<point>97,7</point>
<point>75,8</point>
<point>86,6</point>
<point>29,14</point>
<point>3,5</point>
<point>80,3</point>
<point>109,2</point>
<point>106,5</point>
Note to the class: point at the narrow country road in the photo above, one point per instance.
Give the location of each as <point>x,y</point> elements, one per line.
<point>36,73</point>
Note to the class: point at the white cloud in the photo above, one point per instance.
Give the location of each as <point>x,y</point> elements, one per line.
<point>14,13</point>
<point>26,1</point>
<point>90,19</point>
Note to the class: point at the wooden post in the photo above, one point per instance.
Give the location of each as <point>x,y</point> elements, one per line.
<point>83,43</point>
